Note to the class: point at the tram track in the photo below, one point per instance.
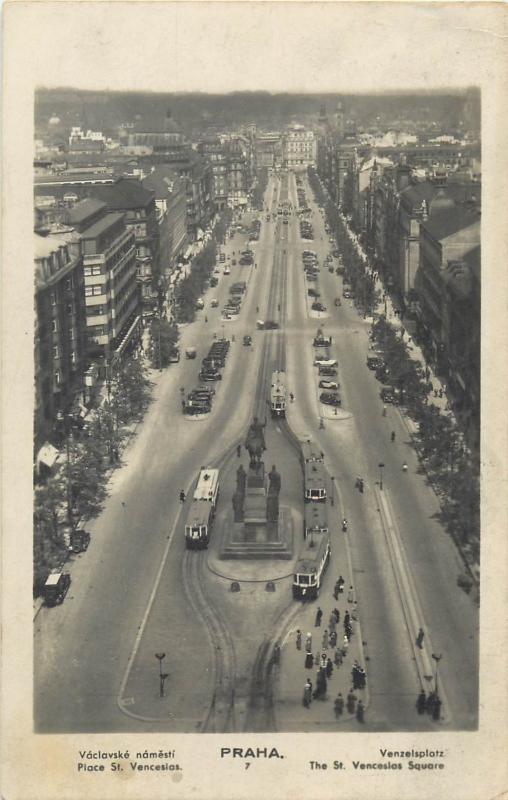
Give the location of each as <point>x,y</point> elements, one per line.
<point>260,709</point>
<point>220,716</point>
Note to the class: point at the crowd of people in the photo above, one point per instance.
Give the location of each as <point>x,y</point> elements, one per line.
<point>329,654</point>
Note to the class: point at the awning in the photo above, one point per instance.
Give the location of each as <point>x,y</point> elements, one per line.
<point>128,336</point>
<point>47,455</point>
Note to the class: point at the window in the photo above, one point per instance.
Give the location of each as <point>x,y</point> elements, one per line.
<point>74,357</point>
<point>53,298</point>
<point>54,325</point>
<point>56,351</point>
<point>94,290</point>
<point>69,283</point>
<point>70,308</point>
<point>71,333</point>
<point>57,377</point>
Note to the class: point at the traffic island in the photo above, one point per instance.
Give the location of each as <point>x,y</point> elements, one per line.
<point>334,412</point>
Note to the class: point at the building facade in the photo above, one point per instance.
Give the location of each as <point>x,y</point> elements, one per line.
<point>299,148</point>
<point>60,330</point>
<point>110,281</point>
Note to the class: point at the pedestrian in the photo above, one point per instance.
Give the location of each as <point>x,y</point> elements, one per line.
<point>316,660</point>
<point>325,639</point>
<point>336,590</point>
<point>440,392</point>
<point>360,711</point>
<point>307,693</point>
<point>338,706</point>
<point>338,657</point>
<point>346,619</point>
<point>349,632</point>
<point>323,661</point>
<point>309,661</point>
<point>333,638</point>
<point>355,612</point>
<point>341,584</point>
<point>298,639</point>
<point>392,437</point>
<point>419,638</point>
<point>351,702</point>
<point>421,702</point>
<point>336,614</point>
<point>384,411</point>
<point>345,645</point>
<point>321,685</point>
<point>308,643</point>
<point>354,675</point>
<point>319,614</point>
<point>436,711</point>
<point>329,668</point>
<point>182,496</point>
<point>276,654</point>
<point>331,623</point>
<point>350,595</point>
<point>429,705</point>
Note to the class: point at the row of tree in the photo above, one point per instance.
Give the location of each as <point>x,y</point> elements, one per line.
<point>259,188</point>
<point>77,488</point>
<point>441,448</point>
<point>443,454</point>
<point>357,271</point>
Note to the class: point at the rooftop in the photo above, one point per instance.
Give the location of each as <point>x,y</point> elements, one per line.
<point>85,209</point>
<point>45,245</point>
<point>449,221</point>
<point>101,225</point>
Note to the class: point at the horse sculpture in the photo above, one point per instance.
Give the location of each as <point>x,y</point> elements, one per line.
<point>255,442</point>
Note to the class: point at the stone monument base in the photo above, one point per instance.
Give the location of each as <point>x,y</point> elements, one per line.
<point>273,540</point>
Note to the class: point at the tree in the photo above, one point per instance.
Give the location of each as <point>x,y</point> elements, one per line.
<point>130,390</point>
<point>163,341</point>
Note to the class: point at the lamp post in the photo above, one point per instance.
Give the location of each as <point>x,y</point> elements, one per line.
<point>381,465</point>
<point>437,659</point>
<point>332,477</point>
<point>162,675</point>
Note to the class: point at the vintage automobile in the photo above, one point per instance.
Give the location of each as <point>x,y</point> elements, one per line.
<point>247,341</point>
<point>318,307</point>
<point>56,587</point>
<point>330,372</point>
<point>329,399</point>
<point>79,538</point>
<point>330,385</point>
<point>267,325</point>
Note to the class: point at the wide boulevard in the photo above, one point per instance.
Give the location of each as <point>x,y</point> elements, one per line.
<point>137,591</point>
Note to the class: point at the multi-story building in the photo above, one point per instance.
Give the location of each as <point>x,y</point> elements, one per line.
<point>215,152</point>
<point>449,302</point>
<point>268,149</point>
<point>110,282</point>
<point>60,330</point>
<point>127,196</point>
<point>299,147</point>
<point>170,191</point>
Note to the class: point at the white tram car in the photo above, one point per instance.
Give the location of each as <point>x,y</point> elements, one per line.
<point>311,566</point>
<point>278,394</point>
<point>199,523</point>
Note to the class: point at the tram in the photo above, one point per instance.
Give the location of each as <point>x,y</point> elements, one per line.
<point>278,394</point>
<point>199,523</point>
<point>311,452</point>
<point>315,482</point>
<point>315,521</point>
<point>311,566</point>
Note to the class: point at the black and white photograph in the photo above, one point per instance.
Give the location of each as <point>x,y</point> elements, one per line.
<point>254,270</point>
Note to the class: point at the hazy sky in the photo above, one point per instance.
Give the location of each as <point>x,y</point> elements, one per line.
<point>215,46</point>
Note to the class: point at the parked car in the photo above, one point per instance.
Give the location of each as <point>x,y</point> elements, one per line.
<point>347,294</point>
<point>56,587</point>
<point>267,324</point>
<point>190,352</point>
<point>313,292</point>
<point>375,362</point>
<point>247,341</point>
<point>330,399</point>
<point>210,375</point>
<point>318,307</point>
<point>214,303</point>
<point>331,385</point>
<point>330,372</point>
<point>322,361</point>
<point>227,271</point>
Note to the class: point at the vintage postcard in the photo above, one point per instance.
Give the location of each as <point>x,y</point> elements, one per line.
<point>254,401</point>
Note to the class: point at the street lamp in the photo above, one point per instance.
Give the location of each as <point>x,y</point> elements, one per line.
<point>381,465</point>
<point>437,659</point>
<point>333,490</point>
<point>162,675</point>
